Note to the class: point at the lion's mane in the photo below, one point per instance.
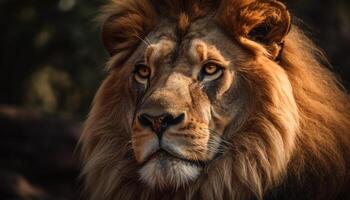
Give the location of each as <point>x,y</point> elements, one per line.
<point>297,145</point>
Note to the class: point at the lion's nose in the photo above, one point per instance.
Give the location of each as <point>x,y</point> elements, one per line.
<point>161,122</point>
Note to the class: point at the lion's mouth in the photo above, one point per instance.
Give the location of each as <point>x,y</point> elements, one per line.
<point>164,155</point>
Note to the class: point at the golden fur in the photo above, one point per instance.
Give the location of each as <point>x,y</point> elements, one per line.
<point>296,145</point>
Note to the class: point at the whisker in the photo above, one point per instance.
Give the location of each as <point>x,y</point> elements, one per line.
<point>224,142</point>
<point>144,41</point>
<point>149,42</point>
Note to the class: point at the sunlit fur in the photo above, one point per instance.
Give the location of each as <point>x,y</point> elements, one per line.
<point>295,144</point>
<point>178,177</point>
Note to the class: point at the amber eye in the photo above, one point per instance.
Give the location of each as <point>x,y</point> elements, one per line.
<point>142,73</point>
<point>211,71</point>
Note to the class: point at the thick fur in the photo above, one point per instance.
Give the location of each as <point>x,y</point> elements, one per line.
<point>295,145</point>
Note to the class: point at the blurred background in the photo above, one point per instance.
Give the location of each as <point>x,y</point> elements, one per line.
<point>51,63</point>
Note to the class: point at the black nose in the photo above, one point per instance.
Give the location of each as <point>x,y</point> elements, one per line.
<point>161,122</point>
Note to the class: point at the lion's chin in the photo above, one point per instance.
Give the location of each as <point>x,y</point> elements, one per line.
<point>164,171</point>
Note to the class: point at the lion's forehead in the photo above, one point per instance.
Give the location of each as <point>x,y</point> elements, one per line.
<point>203,40</point>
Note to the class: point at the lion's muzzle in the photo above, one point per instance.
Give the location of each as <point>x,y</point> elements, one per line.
<point>171,134</point>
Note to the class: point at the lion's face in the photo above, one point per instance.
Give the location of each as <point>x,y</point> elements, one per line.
<point>186,91</point>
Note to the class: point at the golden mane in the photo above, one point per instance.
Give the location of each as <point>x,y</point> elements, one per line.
<point>298,138</point>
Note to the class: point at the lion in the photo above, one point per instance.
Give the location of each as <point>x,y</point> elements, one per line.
<point>209,99</point>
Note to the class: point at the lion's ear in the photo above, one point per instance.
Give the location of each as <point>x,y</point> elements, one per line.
<point>124,26</point>
<point>266,22</point>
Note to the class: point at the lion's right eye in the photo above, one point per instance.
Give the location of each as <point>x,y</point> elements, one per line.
<point>142,73</point>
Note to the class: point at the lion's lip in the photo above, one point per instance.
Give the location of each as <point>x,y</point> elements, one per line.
<point>167,154</point>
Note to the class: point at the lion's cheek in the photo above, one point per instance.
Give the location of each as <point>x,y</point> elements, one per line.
<point>192,146</point>
<point>143,144</point>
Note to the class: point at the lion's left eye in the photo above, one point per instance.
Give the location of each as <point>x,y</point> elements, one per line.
<point>210,72</point>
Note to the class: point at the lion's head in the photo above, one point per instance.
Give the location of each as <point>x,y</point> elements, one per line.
<point>210,99</point>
